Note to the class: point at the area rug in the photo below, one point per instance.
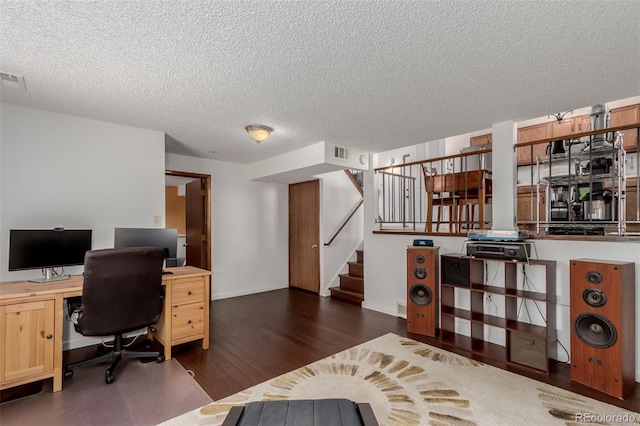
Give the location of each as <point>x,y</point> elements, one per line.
<point>411,383</point>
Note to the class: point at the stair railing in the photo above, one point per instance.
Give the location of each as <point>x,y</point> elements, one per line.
<point>358,185</point>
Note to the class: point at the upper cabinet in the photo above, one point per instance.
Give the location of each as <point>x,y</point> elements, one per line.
<point>551,129</point>
<point>480,140</point>
<point>626,115</point>
<point>528,134</point>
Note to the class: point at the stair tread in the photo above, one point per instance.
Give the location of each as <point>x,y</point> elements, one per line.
<point>353,277</point>
<point>345,290</point>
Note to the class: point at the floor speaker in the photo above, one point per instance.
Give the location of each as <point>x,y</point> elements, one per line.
<point>422,290</point>
<point>602,298</point>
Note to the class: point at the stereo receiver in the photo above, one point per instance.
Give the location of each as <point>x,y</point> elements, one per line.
<point>500,250</point>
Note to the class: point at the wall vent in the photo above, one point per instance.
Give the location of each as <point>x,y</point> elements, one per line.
<point>341,153</point>
<point>401,310</point>
<point>12,81</point>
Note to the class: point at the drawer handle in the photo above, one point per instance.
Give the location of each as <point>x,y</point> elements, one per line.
<point>189,293</point>
<point>49,336</point>
<point>189,322</point>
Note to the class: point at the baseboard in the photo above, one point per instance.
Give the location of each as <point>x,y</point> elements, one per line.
<point>246,292</point>
<point>376,308</point>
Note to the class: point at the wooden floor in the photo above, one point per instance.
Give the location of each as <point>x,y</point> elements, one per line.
<point>257,337</point>
<point>253,339</point>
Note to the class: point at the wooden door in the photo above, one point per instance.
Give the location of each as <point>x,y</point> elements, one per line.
<point>196,236</point>
<point>26,335</point>
<point>304,235</point>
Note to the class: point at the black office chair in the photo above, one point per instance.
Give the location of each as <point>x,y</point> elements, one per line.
<point>122,292</point>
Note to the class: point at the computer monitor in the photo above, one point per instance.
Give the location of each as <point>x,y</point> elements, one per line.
<point>148,237</point>
<point>47,249</point>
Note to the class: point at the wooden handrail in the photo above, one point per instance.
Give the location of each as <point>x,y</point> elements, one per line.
<point>345,221</point>
<point>353,180</point>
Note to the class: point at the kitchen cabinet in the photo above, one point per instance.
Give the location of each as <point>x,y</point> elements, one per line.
<point>527,155</point>
<point>481,140</point>
<point>526,200</point>
<point>527,344</point>
<point>626,115</point>
<point>27,335</point>
<point>570,126</point>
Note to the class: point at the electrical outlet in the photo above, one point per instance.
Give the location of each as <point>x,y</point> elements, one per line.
<point>157,220</point>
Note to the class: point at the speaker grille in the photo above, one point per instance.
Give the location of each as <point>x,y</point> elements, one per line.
<point>595,330</point>
<point>420,294</point>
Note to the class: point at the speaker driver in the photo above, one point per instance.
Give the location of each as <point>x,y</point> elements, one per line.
<point>420,273</point>
<point>595,330</point>
<point>419,258</point>
<point>420,294</point>
<point>594,277</point>
<point>594,297</point>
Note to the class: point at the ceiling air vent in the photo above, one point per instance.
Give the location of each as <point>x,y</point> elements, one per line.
<point>12,81</point>
<point>340,152</point>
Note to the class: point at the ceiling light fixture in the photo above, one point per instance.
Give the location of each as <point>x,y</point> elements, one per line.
<point>258,132</point>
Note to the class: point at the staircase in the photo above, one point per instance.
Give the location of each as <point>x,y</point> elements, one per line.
<point>351,287</point>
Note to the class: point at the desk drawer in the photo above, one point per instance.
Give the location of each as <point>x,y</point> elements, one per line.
<point>188,320</point>
<point>188,290</point>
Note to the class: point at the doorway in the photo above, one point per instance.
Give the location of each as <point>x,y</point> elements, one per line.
<point>304,235</point>
<point>194,237</point>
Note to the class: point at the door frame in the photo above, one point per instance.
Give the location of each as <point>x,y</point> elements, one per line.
<point>206,181</point>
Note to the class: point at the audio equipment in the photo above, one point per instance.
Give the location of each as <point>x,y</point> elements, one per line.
<point>423,243</point>
<point>500,250</point>
<point>602,310</point>
<point>456,271</point>
<point>422,290</point>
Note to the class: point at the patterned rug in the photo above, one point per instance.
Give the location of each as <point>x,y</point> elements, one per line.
<point>411,383</point>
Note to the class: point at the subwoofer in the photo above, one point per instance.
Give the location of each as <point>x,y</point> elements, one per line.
<point>422,290</point>
<point>602,298</point>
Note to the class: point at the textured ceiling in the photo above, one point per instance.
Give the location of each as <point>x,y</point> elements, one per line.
<point>374,75</point>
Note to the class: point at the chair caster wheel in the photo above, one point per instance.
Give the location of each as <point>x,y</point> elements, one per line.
<point>68,374</point>
<point>108,379</point>
<point>160,359</point>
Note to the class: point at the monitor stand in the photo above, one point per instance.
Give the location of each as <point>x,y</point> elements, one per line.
<point>50,277</point>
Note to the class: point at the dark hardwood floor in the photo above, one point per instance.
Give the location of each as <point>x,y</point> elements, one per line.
<point>257,337</point>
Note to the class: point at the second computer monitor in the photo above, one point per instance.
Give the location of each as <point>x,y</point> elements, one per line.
<point>148,237</point>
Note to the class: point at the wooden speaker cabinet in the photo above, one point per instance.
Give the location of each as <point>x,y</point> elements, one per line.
<point>602,297</point>
<point>422,290</point>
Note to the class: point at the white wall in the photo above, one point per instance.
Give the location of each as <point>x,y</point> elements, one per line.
<point>339,197</point>
<point>249,220</point>
<point>60,170</point>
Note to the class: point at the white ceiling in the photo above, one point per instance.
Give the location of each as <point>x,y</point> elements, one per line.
<point>374,75</point>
